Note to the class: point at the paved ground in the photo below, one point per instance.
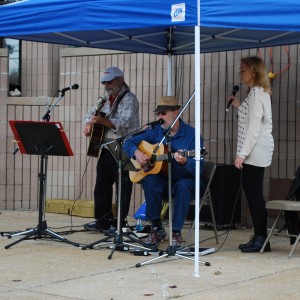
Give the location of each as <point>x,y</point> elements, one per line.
<point>46,269</point>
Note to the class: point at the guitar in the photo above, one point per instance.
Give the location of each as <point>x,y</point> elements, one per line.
<point>97,132</point>
<point>157,163</point>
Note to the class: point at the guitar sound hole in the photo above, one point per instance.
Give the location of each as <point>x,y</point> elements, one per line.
<point>147,168</point>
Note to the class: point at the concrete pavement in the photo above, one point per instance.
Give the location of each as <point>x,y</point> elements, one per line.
<point>47,269</point>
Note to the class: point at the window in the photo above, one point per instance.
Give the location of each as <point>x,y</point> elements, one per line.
<point>14,65</point>
<point>14,58</point>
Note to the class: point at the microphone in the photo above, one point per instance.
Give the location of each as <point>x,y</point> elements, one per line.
<point>236,88</point>
<point>72,87</point>
<point>160,121</point>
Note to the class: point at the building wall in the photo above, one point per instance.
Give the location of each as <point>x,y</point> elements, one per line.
<point>48,68</point>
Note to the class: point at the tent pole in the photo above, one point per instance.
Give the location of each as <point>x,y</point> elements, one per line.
<point>169,75</point>
<point>198,146</point>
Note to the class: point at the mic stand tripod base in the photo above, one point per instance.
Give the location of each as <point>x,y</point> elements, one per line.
<point>171,251</point>
<point>38,232</point>
<point>117,240</point>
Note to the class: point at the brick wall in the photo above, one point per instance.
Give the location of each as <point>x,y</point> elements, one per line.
<point>47,68</point>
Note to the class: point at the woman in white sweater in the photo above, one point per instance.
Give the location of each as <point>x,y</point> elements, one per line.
<point>255,145</point>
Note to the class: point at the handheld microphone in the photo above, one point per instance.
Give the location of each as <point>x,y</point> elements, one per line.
<point>160,121</point>
<point>236,88</point>
<point>72,87</point>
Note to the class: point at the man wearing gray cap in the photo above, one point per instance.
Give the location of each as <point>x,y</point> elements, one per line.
<point>121,109</point>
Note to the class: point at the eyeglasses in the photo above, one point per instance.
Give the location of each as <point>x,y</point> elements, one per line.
<point>107,82</point>
<point>163,113</point>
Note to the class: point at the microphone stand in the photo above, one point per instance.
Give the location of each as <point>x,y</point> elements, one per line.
<point>171,250</point>
<point>46,117</point>
<point>118,236</point>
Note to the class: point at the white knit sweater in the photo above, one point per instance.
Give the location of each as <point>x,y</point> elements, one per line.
<point>255,141</point>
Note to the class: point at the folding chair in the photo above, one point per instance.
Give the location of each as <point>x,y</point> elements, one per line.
<point>208,174</point>
<point>282,206</point>
<point>291,210</point>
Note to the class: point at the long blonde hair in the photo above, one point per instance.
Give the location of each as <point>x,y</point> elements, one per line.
<point>258,67</point>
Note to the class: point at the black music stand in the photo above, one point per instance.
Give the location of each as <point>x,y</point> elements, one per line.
<point>124,163</point>
<point>43,139</point>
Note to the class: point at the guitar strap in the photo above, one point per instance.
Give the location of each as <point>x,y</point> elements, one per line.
<point>96,140</point>
<point>116,104</point>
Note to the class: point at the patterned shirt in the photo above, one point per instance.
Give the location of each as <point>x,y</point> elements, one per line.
<point>125,116</point>
<point>255,141</point>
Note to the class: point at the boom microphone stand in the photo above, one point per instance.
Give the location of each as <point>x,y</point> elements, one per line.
<point>118,236</point>
<point>171,250</point>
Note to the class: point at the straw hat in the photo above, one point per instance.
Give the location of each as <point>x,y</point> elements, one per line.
<point>167,103</point>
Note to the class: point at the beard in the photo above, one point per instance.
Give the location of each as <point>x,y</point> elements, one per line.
<point>164,126</point>
<point>112,91</point>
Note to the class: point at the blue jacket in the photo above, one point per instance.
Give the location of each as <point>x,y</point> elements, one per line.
<point>184,139</point>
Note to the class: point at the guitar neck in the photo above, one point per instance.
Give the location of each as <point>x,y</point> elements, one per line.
<point>184,153</point>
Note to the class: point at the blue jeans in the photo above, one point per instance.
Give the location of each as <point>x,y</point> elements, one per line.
<point>156,188</point>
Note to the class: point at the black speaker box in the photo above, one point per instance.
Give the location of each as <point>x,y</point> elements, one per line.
<point>225,191</point>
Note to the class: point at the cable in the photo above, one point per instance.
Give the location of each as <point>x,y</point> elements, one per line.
<point>81,191</point>
<point>232,216</point>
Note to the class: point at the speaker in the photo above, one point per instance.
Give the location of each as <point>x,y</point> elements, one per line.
<point>225,192</point>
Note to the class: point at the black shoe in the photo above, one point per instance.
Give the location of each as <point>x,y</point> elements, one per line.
<point>96,226</point>
<point>113,228</point>
<point>241,246</point>
<point>257,243</point>
<point>110,231</point>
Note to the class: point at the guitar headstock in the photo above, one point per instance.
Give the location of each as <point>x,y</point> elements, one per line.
<point>100,104</point>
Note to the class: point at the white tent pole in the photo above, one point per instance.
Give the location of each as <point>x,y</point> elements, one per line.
<point>197,141</point>
<point>169,75</point>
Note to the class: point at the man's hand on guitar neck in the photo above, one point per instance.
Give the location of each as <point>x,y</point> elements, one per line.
<point>179,158</point>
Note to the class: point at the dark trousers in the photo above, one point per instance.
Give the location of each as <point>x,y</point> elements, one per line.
<point>183,191</point>
<point>252,181</point>
<point>107,175</point>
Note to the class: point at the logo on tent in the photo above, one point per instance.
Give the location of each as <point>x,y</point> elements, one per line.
<point>178,12</point>
<point>11,2</point>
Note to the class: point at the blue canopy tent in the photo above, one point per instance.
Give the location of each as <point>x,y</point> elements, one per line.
<point>159,27</point>
<point>147,26</point>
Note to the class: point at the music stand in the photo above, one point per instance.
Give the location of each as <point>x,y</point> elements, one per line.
<point>127,164</point>
<point>115,148</point>
<point>41,138</point>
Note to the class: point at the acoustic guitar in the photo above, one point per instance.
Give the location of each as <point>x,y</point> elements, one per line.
<point>157,162</point>
<point>97,132</point>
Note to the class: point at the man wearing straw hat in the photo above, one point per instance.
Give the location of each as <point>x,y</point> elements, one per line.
<point>155,186</point>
